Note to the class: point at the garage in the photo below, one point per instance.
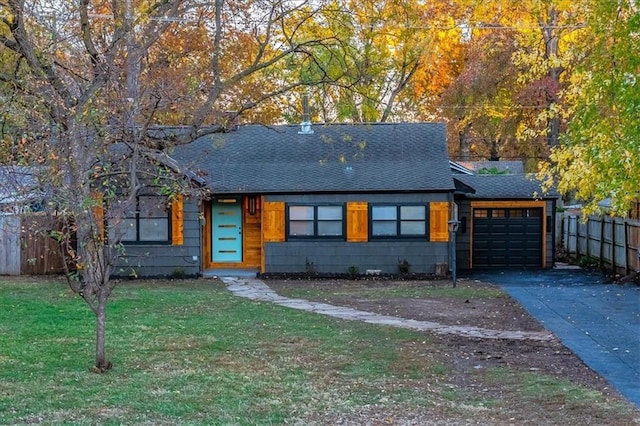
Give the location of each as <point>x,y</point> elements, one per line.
<point>505,221</point>
<point>507,237</point>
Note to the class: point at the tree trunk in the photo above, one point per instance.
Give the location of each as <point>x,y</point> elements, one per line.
<point>553,136</point>
<point>551,41</point>
<point>494,154</point>
<point>102,364</point>
<point>465,143</point>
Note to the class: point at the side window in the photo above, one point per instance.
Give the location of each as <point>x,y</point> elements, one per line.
<point>315,221</point>
<point>398,221</point>
<point>148,223</point>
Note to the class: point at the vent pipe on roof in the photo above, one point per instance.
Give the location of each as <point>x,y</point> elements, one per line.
<point>305,126</point>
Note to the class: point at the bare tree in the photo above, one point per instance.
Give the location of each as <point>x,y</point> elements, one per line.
<point>91,76</point>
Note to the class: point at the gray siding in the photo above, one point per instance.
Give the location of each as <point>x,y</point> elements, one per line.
<point>338,256</point>
<point>158,260</point>
<point>551,232</point>
<point>463,236</point>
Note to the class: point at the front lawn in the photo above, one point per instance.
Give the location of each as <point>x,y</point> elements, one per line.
<point>188,352</point>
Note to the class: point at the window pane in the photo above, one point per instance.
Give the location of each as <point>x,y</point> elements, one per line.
<point>412,212</point>
<point>481,213</point>
<point>330,228</point>
<point>413,227</point>
<point>534,212</point>
<point>301,228</point>
<point>384,213</point>
<point>384,228</point>
<point>154,229</point>
<point>329,212</point>
<point>498,213</point>
<point>125,232</point>
<point>301,213</point>
<point>152,207</point>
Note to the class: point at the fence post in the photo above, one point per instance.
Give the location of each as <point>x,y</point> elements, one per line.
<point>602,240</point>
<point>586,230</point>
<point>614,225</point>
<point>577,238</point>
<point>10,241</point>
<point>626,248</point>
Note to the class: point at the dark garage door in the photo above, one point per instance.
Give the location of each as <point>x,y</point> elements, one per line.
<point>507,237</point>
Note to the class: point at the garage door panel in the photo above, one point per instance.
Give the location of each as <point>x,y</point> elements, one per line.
<point>499,228</point>
<point>481,229</point>
<point>510,240</point>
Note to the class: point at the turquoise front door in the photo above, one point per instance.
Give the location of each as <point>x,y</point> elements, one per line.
<point>226,230</point>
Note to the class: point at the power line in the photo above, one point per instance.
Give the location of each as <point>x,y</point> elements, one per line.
<point>159,19</point>
<point>507,107</point>
<point>481,26</point>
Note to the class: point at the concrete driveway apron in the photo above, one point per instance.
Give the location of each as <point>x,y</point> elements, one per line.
<point>599,322</point>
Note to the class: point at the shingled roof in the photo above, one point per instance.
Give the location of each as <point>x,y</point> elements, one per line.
<point>501,186</point>
<point>334,158</point>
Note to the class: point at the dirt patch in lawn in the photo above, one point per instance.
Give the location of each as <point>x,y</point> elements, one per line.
<point>471,362</point>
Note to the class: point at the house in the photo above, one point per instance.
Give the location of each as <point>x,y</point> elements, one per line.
<point>20,191</point>
<point>328,198</point>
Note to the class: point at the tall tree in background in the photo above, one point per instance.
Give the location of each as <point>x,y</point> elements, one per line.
<point>477,103</point>
<point>504,100</point>
<point>599,155</point>
<point>97,76</point>
<point>545,62</point>
<point>383,47</point>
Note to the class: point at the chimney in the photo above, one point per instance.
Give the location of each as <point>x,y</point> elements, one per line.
<point>305,126</point>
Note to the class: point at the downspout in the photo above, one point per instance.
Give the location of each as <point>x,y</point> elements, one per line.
<point>554,219</point>
<point>201,222</point>
<point>453,229</point>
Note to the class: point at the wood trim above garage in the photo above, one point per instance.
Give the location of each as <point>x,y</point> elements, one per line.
<point>509,204</point>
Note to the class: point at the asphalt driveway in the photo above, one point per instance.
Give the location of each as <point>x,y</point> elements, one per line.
<point>598,321</point>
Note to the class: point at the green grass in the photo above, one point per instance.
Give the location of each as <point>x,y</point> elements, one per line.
<point>188,352</point>
<point>184,352</point>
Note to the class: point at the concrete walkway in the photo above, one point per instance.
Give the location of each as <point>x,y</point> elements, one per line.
<point>254,289</point>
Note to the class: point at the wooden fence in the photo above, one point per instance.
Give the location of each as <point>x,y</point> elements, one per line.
<point>25,249</point>
<point>610,242</point>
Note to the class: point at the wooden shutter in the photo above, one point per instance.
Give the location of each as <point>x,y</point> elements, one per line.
<point>357,222</point>
<point>273,221</point>
<point>98,213</point>
<point>177,222</point>
<point>438,221</point>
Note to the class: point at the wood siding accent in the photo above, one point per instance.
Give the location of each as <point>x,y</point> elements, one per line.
<point>515,205</point>
<point>357,222</point>
<point>273,221</point>
<point>251,239</point>
<point>98,213</point>
<point>439,221</point>
<point>177,221</point>
<point>206,235</point>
